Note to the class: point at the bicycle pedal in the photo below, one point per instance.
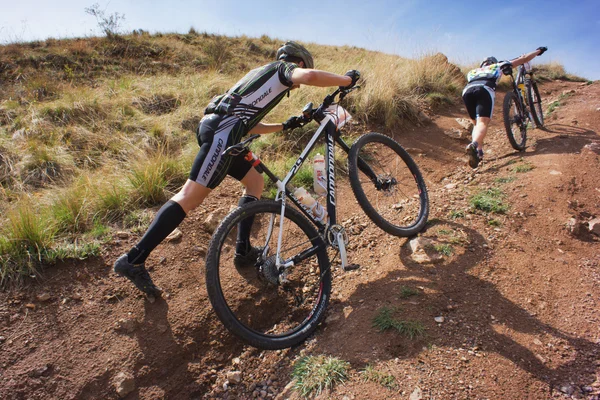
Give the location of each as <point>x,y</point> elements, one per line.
<point>350,267</point>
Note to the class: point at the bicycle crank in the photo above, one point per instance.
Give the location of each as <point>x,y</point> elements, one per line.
<point>338,239</point>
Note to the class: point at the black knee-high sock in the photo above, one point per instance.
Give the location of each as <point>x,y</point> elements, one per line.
<point>242,245</point>
<point>166,220</point>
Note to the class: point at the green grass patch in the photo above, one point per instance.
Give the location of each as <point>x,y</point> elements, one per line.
<point>371,374</point>
<point>25,240</point>
<point>314,374</point>
<point>505,179</point>
<point>557,103</point>
<point>385,320</point>
<point>456,214</point>
<point>521,168</point>
<point>444,249</point>
<point>77,251</point>
<point>407,291</point>
<point>494,222</point>
<point>489,200</point>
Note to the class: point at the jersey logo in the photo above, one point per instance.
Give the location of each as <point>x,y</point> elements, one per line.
<point>262,97</point>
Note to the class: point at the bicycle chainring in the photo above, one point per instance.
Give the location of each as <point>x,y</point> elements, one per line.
<point>332,235</point>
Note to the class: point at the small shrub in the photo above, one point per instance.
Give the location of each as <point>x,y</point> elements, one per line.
<point>313,374</point>
<point>489,200</point>
<point>373,375</point>
<point>406,292</point>
<point>110,24</point>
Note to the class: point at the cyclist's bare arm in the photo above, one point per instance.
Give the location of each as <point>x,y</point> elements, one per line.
<point>262,128</point>
<point>524,58</point>
<point>315,77</point>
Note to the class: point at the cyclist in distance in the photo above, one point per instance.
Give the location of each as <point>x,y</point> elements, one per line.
<point>227,119</point>
<point>478,97</point>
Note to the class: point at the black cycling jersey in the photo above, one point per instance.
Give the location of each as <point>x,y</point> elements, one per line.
<point>232,115</point>
<point>251,98</point>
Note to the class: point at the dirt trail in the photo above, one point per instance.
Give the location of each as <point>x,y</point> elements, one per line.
<point>519,295</point>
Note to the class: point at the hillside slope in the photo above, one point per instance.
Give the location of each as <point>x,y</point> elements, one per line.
<point>519,294</point>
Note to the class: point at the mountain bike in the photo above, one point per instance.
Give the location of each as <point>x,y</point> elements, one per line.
<point>521,105</point>
<point>279,300</point>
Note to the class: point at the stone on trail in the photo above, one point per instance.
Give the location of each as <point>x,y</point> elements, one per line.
<point>417,394</point>
<point>455,134</point>
<point>465,123</point>
<point>126,325</point>
<point>175,235</point>
<point>124,384</point>
<point>593,147</point>
<point>44,297</point>
<point>213,220</point>
<point>423,251</point>
<point>575,227</point>
<point>234,377</point>
<point>594,226</point>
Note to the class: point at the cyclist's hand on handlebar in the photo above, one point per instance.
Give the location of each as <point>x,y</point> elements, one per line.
<point>354,75</point>
<point>292,123</point>
<point>541,50</point>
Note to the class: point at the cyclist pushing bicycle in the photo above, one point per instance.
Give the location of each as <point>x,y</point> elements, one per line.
<point>479,94</point>
<point>228,118</point>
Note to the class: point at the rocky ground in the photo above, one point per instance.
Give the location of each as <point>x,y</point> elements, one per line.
<point>510,312</point>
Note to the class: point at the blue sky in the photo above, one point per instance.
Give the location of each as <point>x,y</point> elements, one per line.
<point>465,31</point>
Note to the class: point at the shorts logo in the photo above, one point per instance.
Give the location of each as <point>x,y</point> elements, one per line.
<point>213,159</point>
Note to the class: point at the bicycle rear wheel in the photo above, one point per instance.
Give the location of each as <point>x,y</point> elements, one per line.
<point>514,122</point>
<point>388,185</point>
<point>535,103</point>
<point>251,301</point>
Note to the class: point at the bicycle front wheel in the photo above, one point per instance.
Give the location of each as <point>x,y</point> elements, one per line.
<point>535,103</point>
<point>514,122</point>
<point>388,185</point>
<point>269,308</point>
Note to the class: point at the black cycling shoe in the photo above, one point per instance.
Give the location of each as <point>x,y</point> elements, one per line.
<point>474,155</point>
<point>249,259</point>
<point>138,275</point>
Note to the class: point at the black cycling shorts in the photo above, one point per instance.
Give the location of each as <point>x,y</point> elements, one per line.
<point>215,134</point>
<point>479,100</point>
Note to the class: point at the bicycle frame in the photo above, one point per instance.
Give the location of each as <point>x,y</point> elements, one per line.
<point>330,129</point>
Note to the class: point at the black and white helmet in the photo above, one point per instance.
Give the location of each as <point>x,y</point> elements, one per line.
<point>293,49</point>
<point>488,61</point>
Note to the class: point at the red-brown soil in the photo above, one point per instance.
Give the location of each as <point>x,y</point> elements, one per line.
<point>520,298</point>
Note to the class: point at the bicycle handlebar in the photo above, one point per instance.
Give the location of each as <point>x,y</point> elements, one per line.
<point>308,113</point>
